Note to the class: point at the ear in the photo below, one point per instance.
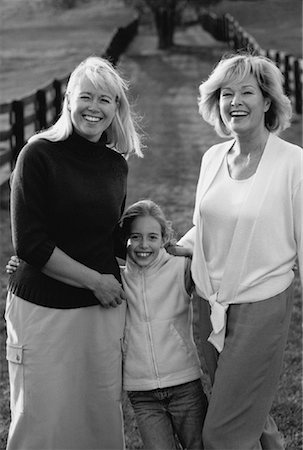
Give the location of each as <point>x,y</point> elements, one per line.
<point>267,103</point>
<point>67,102</point>
<point>117,105</point>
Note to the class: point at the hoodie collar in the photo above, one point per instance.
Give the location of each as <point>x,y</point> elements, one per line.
<point>162,257</point>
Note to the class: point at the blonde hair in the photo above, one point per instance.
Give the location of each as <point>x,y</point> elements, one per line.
<point>236,67</point>
<point>122,134</point>
<point>145,208</point>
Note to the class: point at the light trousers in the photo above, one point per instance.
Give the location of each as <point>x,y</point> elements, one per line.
<point>65,377</point>
<point>245,374</point>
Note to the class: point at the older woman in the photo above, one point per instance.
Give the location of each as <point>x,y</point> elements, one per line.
<point>65,311</point>
<point>246,238</point>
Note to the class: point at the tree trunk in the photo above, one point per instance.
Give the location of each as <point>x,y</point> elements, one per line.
<point>165,25</point>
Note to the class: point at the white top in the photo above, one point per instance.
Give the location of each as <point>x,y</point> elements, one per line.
<point>221,207</point>
<point>267,237</point>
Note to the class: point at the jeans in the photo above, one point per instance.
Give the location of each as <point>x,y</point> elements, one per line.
<point>162,414</point>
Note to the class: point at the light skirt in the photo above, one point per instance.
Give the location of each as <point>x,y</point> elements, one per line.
<point>65,370</point>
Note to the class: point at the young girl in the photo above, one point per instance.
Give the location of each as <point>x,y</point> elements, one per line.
<point>161,368</point>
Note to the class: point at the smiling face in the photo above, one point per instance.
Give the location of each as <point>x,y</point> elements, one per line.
<point>92,109</point>
<point>145,240</point>
<point>243,107</point>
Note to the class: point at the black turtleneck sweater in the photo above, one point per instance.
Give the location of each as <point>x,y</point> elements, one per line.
<point>69,194</point>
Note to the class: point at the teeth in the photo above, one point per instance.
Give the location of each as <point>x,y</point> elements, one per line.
<point>92,119</point>
<point>143,255</point>
<point>236,113</point>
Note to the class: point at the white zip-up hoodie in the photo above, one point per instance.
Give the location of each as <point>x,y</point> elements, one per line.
<point>159,349</point>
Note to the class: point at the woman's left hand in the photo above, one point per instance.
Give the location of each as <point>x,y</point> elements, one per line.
<point>12,264</point>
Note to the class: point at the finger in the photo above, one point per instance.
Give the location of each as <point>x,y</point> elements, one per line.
<point>105,305</point>
<point>123,295</point>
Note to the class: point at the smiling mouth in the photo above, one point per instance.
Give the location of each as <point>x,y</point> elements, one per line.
<point>143,254</point>
<point>91,119</point>
<point>238,114</point>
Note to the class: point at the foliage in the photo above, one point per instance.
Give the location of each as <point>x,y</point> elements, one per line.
<point>167,14</point>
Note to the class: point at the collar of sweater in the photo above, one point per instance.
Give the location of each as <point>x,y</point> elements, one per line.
<point>160,260</point>
<point>85,148</point>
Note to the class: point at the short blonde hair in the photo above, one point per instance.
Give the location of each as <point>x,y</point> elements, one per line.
<point>122,134</point>
<point>236,67</point>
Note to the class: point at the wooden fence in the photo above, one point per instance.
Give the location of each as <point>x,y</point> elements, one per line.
<point>19,119</point>
<point>226,28</point>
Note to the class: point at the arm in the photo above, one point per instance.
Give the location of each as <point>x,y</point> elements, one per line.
<point>188,239</point>
<point>184,247</point>
<point>63,268</point>
<point>189,283</point>
<point>298,226</point>
<point>105,287</point>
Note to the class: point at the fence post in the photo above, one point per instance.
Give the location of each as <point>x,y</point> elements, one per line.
<point>298,85</point>
<point>284,68</point>
<point>57,98</point>
<point>18,127</point>
<point>41,120</point>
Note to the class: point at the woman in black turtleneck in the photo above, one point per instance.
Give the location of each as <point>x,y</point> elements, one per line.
<point>65,308</point>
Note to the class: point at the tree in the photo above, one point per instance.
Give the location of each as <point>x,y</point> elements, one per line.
<point>167,14</point>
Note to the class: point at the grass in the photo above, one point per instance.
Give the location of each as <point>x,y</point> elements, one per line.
<point>164,88</point>
<point>275,24</point>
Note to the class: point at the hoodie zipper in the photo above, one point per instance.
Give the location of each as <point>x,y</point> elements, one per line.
<point>149,330</point>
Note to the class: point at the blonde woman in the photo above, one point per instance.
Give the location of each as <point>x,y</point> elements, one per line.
<point>65,308</point>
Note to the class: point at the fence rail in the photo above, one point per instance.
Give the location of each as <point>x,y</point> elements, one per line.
<point>226,28</point>
<point>21,118</point>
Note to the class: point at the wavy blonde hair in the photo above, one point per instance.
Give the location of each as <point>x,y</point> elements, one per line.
<point>234,68</point>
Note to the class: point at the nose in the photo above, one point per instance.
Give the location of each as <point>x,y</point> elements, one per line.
<point>93,105</point>
<point>236,99</point>
<point>144,242</point>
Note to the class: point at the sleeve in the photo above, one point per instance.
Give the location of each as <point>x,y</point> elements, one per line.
<point>189,284</point>
<point>29,206</point>
<point>188,239</point>
<point>298,225</point>
<point>119,242</point>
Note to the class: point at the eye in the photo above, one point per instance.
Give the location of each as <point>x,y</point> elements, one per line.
<point>154,237</point>
<point>134,237</point>
<point>226,94</point>
<point>106,99</point>
<point>84,97</point>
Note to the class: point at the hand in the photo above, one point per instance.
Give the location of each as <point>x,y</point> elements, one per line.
<point>109,291</point>
<point>12,264</point>
<point>178,250</point>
